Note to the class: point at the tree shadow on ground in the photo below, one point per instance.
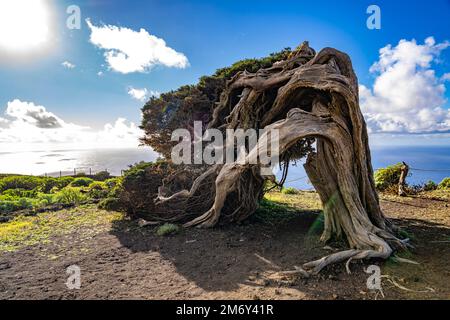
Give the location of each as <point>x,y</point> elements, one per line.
<point>226,257</point>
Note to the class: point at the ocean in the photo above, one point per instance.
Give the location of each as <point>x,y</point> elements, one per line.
<point>52,162</point>
<point>427,163</point>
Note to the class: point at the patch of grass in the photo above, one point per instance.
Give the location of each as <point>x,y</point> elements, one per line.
<point>289,190</point>
<point>273,212</point>
<point>403,234</point>
<point>30,230</point>
<point>303,200</point>
<point>167,229</point>
<point>70,195</point>
<point>278,207</point>
<point>439,194</point>
<point>444,184</point>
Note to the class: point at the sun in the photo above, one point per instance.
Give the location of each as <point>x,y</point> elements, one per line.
<point>24,25</point>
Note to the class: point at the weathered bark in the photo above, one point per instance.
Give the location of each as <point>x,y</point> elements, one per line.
<point>307,96</point>
<point>402,181</point>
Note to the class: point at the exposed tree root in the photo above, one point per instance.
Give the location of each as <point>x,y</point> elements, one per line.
<point>395,283</point>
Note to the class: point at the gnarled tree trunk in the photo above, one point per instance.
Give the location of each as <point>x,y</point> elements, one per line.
<point>307,96</point>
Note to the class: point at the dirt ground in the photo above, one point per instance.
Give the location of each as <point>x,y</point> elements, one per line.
<point>123,261</point>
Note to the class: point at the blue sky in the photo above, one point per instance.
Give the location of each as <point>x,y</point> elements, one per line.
<point>213,34</point>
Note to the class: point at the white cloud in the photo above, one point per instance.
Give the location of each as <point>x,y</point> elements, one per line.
<point>68,65</point>
<point>30,126</point>
<point>3,122</point>
<point>128,51</point>
<point>121,130</point>
<point>142,94</point>
<point>445,77</point>
<point>138,94</point>
<point>29,113</point>
<point>407,96</point>
<point>100,73</point>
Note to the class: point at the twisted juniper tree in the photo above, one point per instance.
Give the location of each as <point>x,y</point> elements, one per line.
<point>308,97</point>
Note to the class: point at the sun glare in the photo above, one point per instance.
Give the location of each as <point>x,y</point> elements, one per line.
<point>24,25</point>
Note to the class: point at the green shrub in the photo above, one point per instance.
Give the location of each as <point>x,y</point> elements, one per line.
<point>252,65</point>
<point>139,186</point>
<point>289,190</point>
<point>58,184</point>
<point>81,182</point>
<point>70,195</point>
<point>63,182</point>
<point>444,184</point>
<point>47,184</point>
<point>167,229</point>
<point>20,193</point>
<point>430,186</point>
<point>98,185</point>
<point>97,190</point>
<point>387,177</point>
<point>102,175</point>
<point>110,204</point>
<point>270,212</point>
<point>37,184</point>
<point>114,186</point>
<point>112,182</point>
<point>20,182</point>
<point>44,200</point>
<point>8,206</point>
<point>50,198</point>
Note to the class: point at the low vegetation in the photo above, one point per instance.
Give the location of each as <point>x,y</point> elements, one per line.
<point>445,184</point>
<point>289,190</point>
<point>139,186</point>
<point>387,179</point>
<point>25,231</point>
<point>37,193</point>
<point>135,190</point>
<point>167,229</point>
